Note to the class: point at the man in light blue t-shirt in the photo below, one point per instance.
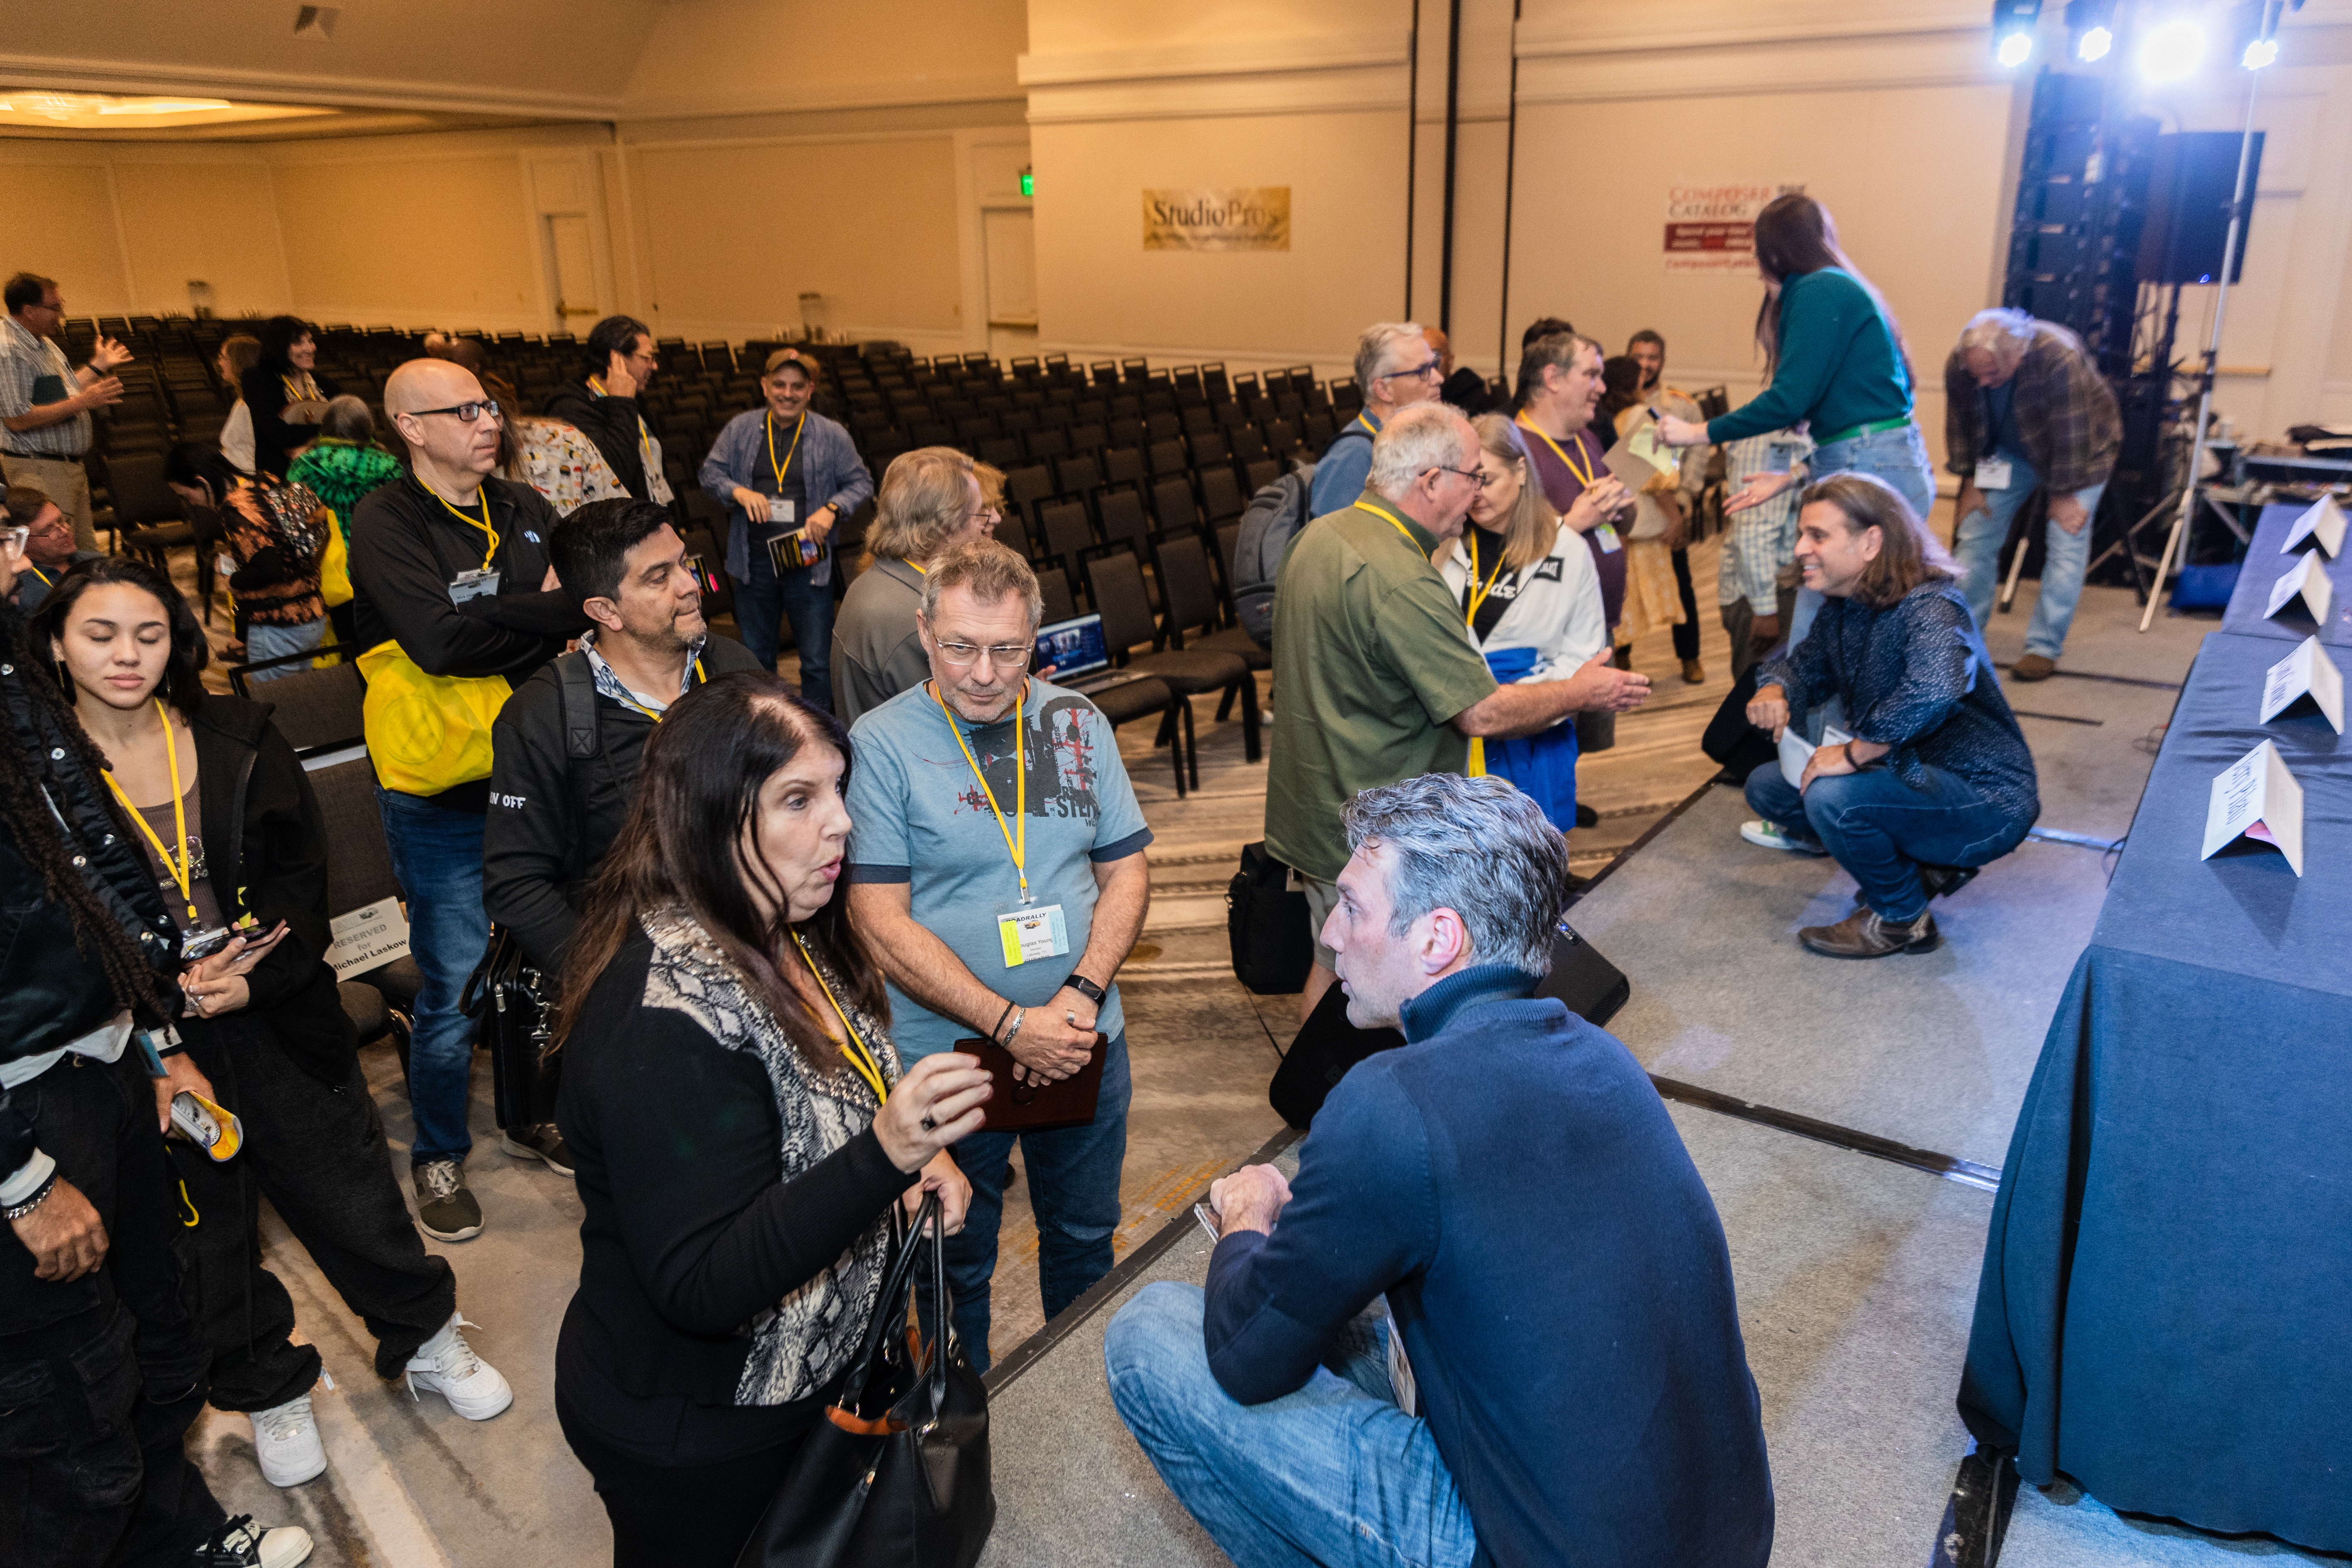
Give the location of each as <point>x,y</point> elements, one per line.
<point>1008,826</point>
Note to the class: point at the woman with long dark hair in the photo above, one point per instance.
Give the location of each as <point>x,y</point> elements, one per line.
<point>235,845</point>
<point>1835,358</point>
<point>285,392</point>
<point>738,1123</point>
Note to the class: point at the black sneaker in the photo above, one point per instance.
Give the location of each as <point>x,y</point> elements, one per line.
<point>444,1207</point>
<point>241,1543</point>
<point>544,1143</point>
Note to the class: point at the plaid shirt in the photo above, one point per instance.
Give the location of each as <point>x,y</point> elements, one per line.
<point>609,684</point>
<point>1762,542</point>
<point>24,360</point>
<point>2066,412</point>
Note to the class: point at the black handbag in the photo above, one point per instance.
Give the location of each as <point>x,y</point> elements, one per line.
<point>1592,987</point>
<point>1731,740</point>
<point>513,1009</point>
<point>1266,926</point>
<point>896,1473</point>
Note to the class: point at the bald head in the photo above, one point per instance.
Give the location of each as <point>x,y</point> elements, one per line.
<point>429,384</point>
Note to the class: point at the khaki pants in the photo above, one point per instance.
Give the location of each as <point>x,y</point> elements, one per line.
<point>63,480</point>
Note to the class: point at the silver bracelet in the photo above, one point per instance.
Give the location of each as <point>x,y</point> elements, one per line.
<point>1007,1038</point>
<point>41,1195</point>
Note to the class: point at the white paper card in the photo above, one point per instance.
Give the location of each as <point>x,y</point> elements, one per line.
<point>2305,672</point>
<point>2323,520</point>
<point>1795,750</point>
<point>2256,797</point>
<point>2306,578</point>
<point>1401,1378</point>
<point>367,938</point>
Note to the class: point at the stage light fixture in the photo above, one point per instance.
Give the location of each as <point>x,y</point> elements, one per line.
<point>2092,24</point>
<point>2173,51</point>
<point>2012,30</point>
<point>2094,43</point>
<point>2259,53</point>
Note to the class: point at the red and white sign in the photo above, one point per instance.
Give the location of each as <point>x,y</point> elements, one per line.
<point>1712,228</point>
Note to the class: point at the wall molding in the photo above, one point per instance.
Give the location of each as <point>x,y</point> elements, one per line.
<point>977,88</point>
<point>302,86</point>
<point>1349,73</point>
<point>1560,67</point>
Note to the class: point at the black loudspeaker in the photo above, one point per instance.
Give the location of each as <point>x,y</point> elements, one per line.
<point>2191,182</point>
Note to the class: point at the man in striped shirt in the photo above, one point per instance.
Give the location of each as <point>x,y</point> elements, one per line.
<point>44,404</point>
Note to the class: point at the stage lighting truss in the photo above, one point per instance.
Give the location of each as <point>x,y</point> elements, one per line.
<point>2013,23</point>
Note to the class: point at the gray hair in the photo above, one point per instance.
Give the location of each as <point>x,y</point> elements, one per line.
<point>1477,846</point>
<point>1424,437</point>
<point>2002,332</point>
<point>987,571</point>
<point>347,419</point>
<point>1378,341</point>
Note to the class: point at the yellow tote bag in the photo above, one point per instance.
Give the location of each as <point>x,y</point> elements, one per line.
<point>334,566</point>
<point>426,732</point>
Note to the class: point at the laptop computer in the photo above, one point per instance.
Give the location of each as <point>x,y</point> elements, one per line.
<point>1078,655</point>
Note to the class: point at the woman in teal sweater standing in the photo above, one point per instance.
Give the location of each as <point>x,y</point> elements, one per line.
<point>1836,360</point>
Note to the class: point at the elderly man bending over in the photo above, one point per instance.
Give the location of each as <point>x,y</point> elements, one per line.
<point>1572,1386</point>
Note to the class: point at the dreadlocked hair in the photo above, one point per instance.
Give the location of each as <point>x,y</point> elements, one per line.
<point>28,773</point>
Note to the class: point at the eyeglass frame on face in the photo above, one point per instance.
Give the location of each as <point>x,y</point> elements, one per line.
<point>487,404</point>
<point>1430,370</point>
<point>1003,655</point>
<point>1477,477</point>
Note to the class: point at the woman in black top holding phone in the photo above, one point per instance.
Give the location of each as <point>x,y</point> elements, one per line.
<point>739,1123</point>
<point>285,392</point>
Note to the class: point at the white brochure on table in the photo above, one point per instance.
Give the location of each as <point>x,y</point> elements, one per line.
<point>2256,797</point>
<point>367,938</point>
<point>2305,672</point>
<point>2323,520</point>
<point>2308,578</point>
<point>1795,750</point>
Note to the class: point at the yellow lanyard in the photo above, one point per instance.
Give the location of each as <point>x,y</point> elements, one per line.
<point>1478,594</point>
<point>180,867</point>
<point>296,391</point>
<point>1584,473</point>
<point>917,565</point>
<point>648,712</point>
<point>789,454</point>
<point>1020,851</point>
<point>44,576</point>
<point>483,523</point>
<point>862,1057</point>
<point>1369,428</point>
<point>644,434</point>
<point>1401,528</point>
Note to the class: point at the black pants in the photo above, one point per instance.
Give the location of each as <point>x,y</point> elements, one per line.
<point>318,1154</point>
<point>1686,634</point>
<point>100,1378</point>
<point>685,1516</point>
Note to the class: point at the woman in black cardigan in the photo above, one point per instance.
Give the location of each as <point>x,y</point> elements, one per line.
<point>284,377</point>
<point>234,837</point>
<point>739,1124</point>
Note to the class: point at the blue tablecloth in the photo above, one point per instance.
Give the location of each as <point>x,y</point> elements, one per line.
<point>2166,1309</point>
<point>2264,565</point>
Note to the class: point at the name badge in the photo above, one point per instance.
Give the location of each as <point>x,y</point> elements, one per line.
<point>225,565</point>
<point>1993,473</point>
<point>474,585</point>
<point>1610,543</point>
<point>780,509</point>
<point>1032,933</point>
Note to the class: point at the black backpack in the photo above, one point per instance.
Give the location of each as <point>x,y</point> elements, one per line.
<point>1272,521</point>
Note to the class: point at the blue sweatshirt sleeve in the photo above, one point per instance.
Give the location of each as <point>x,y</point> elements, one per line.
<point>1819,314</point>
<point>1362,1217</point>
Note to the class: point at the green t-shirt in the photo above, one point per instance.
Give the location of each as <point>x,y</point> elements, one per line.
<point>1371,660</point>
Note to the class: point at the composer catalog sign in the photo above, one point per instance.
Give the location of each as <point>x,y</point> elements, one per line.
<point>1240,217</point>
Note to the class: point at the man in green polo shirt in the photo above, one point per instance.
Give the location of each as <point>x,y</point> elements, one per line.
<point>1373,658</point>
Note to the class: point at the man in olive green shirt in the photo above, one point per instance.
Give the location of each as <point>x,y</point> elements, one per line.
<point>1378,678</point>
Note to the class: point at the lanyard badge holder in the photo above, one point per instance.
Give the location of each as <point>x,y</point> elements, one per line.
<point>480,582</point>
<point>791,550</point>
<point>1027,930</point>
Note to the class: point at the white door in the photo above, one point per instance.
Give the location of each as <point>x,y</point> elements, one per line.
<point>571,268</point>
<point>1008,239</point>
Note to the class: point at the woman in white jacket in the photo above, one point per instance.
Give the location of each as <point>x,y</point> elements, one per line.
<point>1531,602</point>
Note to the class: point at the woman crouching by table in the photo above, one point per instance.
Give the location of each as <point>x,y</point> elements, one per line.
<point>1938,780</point>
<point>739,1124</point>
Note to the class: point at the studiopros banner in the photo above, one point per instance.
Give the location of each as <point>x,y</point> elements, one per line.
<point>1242,218</point>
<point>1711,227</point>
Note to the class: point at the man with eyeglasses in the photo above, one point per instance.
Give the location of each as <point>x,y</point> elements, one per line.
<point>1397,368</point>
<point>1378,678</point>
<point>452,565</point>
<point>44,404</point>
<point>788,476</point>
<point>48,549</point>
<point>996,866</point>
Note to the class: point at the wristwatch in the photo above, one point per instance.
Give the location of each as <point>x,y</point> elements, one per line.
<point>1086,988</point>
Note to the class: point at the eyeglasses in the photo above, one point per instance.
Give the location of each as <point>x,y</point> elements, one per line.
<point>467,413</point>
<point>14,538</point>
<point>1418,372</point>
<point>1477,477</point>
<point>964,655</point>
<point>989,515</point>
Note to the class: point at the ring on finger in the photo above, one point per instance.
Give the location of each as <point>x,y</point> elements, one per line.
<point>929,1125</point>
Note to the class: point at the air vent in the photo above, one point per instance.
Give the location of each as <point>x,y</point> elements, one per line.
<point>316,22</point>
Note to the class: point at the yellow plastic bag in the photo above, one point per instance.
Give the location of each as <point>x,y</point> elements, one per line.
<point>426,733</point>
<point>334,566</point>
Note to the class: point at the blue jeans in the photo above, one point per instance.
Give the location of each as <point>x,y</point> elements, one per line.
<point>437,857</point>
<point>1882,830</point>
<point>1332,1473</point>
<point>276,642</point>
<point>1976,545</point>
<point>1898,457</point>
<point>1073,1176</point>
<point>762,602</point>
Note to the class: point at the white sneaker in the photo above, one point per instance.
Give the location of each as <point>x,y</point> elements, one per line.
<point>286,1441</point>
<point>1755,830</point>
<point>446,1365</point>
<point>241,1543</point>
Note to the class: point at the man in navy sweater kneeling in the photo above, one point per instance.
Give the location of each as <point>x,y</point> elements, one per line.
<point>1556,1373</point>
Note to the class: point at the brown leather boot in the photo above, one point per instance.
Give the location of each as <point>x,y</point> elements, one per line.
<point>1865,935</point>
